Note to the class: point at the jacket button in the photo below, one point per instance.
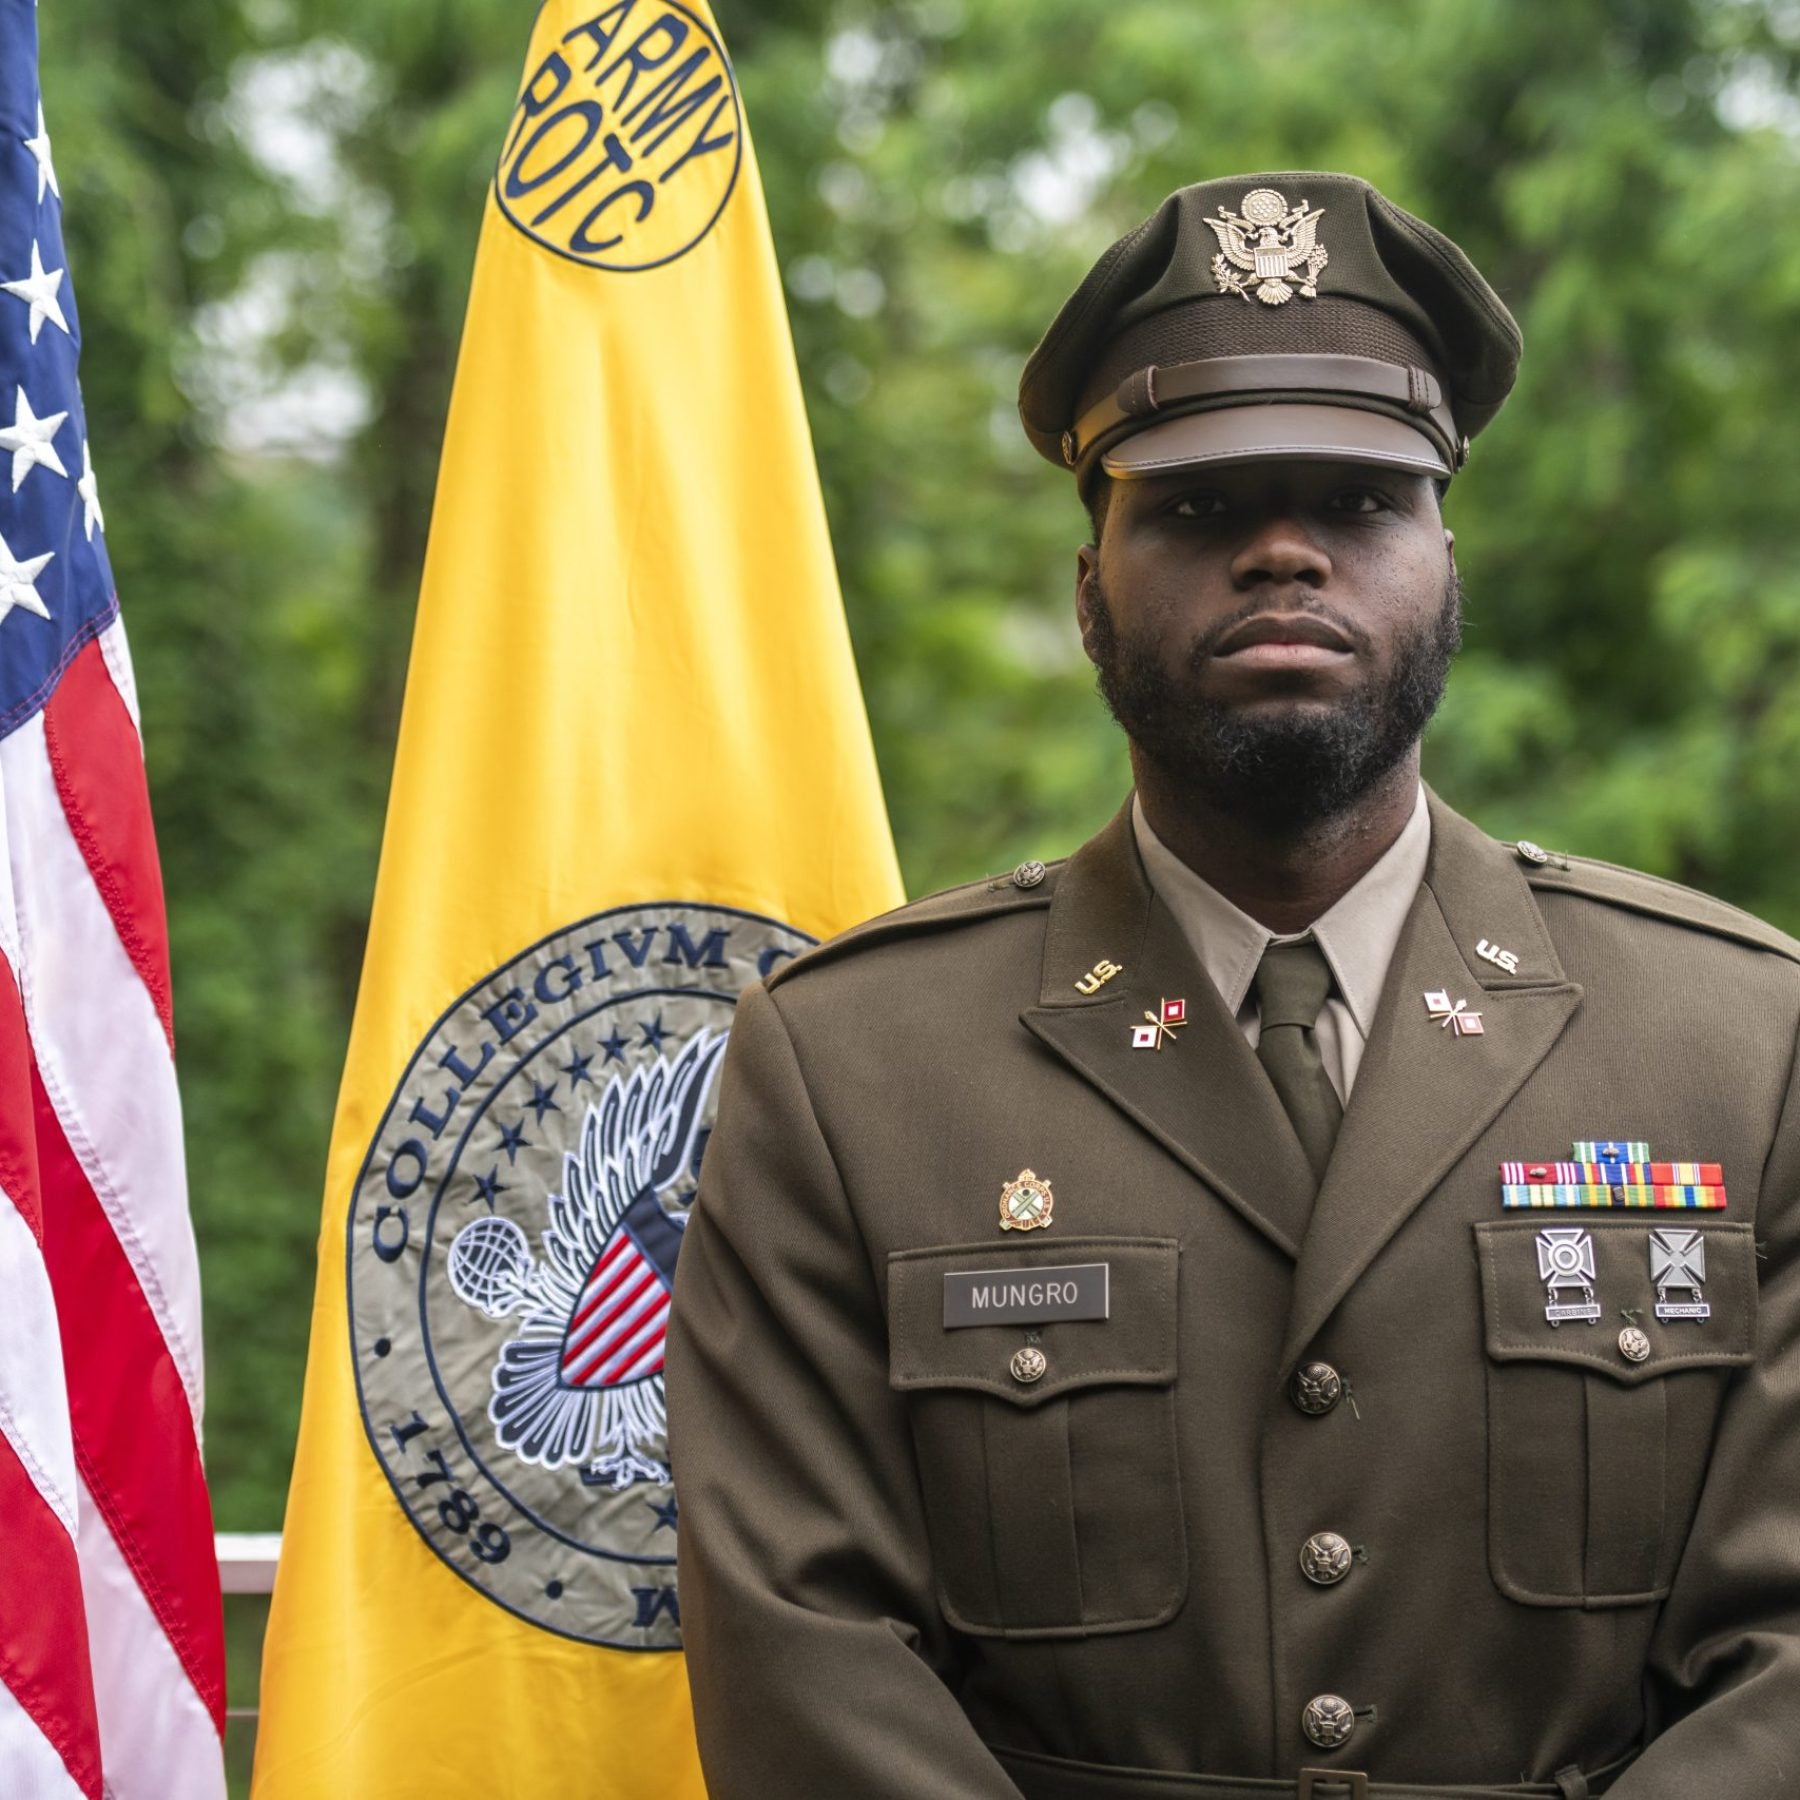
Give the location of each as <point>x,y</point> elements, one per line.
<point>1028,1365</point>
<point>1028,874</point>
<point>1535,853</point>
<point>1316,1388</point>
<point>1328,1721</point>
<point>1325,1558</point>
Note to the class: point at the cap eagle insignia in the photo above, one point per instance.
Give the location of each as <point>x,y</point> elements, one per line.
<point>1273,244</point>
<point>581,1382</point>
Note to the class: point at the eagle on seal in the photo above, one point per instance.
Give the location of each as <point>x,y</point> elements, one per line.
<point>581,1381</point>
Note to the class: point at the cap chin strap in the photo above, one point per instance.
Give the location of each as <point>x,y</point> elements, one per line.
<point>1402,389</point>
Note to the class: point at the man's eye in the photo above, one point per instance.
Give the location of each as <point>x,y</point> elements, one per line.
<point>1359,500</point>
<point>1198,506</point>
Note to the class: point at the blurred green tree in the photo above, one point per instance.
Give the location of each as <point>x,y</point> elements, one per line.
<point>1619,171</point>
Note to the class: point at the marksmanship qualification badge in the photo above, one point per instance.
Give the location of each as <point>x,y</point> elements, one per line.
<point>511,1249</point>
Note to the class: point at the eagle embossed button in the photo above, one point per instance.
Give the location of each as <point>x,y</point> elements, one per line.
<point>1028,874</point>
<point>1316,1388</point>
<point>1325,1558</point>
<point>1634,1345</point>
<point>1029,1364</point>
<point>1328,1721</point>
<point>1536,853</point>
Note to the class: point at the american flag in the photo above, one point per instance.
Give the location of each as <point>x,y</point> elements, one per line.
<point>111,1643</point>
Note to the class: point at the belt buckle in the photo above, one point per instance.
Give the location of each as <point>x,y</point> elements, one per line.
<point>1313,1781</point>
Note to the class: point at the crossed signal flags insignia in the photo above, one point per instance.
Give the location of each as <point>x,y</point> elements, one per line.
<point>1161,1025</point>
<point>1453,1015</point>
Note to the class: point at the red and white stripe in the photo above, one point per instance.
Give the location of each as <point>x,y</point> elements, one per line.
<point>620,1321</point>
<point>111,1641</point>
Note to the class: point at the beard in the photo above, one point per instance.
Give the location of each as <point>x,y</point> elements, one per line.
<point>1286,769</point>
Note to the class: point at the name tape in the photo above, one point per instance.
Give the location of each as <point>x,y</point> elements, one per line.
<point>1027,1296</point>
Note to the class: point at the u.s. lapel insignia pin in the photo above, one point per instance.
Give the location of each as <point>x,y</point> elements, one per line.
<point>1169,1017</point>
<point>1501,959</point>
<point>1099,975</point>
<point>1453,1015</point>
<point>1027,1203</point>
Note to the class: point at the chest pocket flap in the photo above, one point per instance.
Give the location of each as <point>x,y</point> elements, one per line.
<point>1599,1425</point>
<point>1613,1268</point>
<point>1134,1344</point>
<point>1053,1503</point>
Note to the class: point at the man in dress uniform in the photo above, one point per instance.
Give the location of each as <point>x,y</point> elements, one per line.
<point>1299,1298</point>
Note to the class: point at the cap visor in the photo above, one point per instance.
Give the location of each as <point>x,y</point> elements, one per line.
<point>1233,434</point>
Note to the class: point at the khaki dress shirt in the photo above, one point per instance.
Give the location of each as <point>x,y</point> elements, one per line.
<point>1357,935</point>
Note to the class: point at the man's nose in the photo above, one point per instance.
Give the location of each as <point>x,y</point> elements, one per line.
<point>1279,551</point>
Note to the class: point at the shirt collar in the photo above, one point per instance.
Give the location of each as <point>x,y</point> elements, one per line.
<point>1358,934</point>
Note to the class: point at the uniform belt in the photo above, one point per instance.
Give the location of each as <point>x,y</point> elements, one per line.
<point>1055,1778</point>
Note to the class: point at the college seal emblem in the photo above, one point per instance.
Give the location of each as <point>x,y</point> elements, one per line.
<point>512,1245</point>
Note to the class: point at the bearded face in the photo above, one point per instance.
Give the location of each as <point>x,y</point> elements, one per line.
<point>1284,766</point>
<point>1273,638</point>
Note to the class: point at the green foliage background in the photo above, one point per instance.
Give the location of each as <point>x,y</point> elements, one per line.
<point>270,199</point>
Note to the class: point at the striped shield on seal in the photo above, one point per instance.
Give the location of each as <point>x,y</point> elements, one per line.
<point>615,1334</point>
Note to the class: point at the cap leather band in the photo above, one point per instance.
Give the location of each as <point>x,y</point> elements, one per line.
<point>1155,392</point>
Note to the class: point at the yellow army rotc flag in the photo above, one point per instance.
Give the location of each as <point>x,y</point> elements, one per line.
<point>633,775</point>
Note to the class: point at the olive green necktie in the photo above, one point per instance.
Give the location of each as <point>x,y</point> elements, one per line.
<point>1292,981</point>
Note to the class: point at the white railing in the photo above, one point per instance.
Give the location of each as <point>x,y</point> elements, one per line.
<point>247,1560</point>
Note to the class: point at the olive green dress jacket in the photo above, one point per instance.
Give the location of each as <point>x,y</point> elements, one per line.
<point>906,1572</point>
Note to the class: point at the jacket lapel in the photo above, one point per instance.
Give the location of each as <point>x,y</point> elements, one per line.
<point>1203,1096</point>
<point>1425,1093</point>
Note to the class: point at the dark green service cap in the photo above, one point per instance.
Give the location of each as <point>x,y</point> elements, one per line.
<point>1262,316</point>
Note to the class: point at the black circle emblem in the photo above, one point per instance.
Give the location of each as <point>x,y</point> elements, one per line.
<point>627,137</point>
<point>511,1249</point>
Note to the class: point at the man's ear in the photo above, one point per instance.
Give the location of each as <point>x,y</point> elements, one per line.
<point>1450,546</point>
<point>1087,575</point>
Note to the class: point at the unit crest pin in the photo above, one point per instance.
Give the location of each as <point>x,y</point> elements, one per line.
<point>1027,1203</point>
